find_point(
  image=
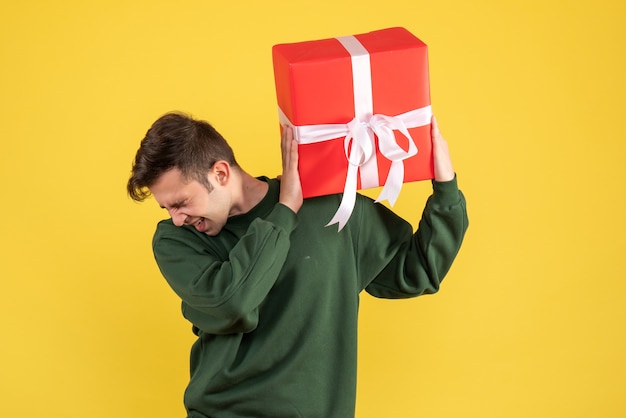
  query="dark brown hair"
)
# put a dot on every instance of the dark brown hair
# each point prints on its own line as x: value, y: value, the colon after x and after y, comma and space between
x: 177, y: 140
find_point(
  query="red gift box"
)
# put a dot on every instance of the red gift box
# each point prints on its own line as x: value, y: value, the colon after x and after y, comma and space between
x: 357, y: 104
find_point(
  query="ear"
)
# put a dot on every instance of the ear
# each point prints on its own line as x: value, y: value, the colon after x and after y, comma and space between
x: 221, y: 172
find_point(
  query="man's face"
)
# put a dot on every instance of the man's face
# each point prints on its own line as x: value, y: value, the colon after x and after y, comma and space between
x: 190, y: 203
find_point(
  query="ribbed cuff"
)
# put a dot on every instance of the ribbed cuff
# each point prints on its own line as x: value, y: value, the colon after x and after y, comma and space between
x: 283, y: 217
x: 446, y: 193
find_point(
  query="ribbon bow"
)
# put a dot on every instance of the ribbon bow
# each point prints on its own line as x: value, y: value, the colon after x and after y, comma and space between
x: 359, y: 147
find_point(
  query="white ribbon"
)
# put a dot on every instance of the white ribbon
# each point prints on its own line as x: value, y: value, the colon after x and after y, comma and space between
x: 359, y: 145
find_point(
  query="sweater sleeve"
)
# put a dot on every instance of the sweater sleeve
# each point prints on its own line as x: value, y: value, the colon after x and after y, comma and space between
x: 410, y: 264
x: 221, y: 288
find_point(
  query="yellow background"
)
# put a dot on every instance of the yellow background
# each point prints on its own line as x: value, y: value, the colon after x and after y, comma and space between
x: 530, y: 95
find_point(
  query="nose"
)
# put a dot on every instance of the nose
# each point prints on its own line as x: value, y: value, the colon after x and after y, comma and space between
x: 179, y: 219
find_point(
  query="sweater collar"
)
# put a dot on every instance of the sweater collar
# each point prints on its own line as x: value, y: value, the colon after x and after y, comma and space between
x: 263, y: 208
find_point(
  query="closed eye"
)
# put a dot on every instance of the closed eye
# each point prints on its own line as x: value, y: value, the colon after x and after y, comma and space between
x: 176, y: 205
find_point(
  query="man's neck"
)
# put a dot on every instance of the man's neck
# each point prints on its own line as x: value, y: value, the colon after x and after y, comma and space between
x: 253, y: 191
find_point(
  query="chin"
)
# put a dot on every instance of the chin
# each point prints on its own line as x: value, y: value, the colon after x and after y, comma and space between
x: 212, y: 232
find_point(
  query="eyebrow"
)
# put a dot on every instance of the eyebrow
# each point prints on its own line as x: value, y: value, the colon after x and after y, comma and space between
x: 176, y: 204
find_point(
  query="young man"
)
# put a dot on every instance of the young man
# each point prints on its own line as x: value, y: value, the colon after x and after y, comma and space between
x: 273, y: 294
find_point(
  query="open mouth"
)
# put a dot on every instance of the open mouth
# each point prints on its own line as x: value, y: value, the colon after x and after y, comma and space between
x: 199, y: 225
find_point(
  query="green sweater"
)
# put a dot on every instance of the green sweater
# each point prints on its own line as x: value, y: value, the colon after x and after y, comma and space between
x: 274, y: 297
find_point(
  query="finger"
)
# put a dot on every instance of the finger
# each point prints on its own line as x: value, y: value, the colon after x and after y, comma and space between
x: 435, y: 132
x: 289, y: 137
x: 283, y: 135
x: 294, y: 153
x: 289, y: 150
x: 284, y: 143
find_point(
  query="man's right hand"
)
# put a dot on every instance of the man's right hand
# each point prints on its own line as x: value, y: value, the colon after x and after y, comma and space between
x: 290, y: 186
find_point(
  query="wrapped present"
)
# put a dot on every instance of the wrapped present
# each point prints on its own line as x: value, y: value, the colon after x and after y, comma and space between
x: 360, y: 111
